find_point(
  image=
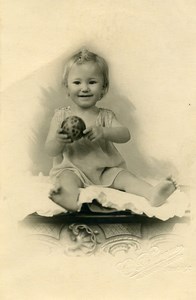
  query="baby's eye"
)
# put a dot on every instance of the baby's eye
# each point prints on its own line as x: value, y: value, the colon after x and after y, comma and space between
x: 92, y: 82
x: 76, y: 82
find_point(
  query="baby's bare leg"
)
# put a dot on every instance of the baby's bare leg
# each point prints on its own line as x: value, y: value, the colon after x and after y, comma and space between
x: 157, y: 195
x: 67, y: 192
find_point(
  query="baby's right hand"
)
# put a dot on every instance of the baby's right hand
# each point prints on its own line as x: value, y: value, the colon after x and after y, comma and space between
x: 62, y: 137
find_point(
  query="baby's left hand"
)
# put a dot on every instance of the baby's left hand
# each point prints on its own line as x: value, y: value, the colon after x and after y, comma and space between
x: 94, y: 133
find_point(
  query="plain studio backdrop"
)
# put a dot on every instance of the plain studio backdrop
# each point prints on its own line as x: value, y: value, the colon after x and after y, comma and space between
x: 150, y: 47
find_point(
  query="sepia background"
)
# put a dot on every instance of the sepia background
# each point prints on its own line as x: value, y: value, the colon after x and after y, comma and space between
x: 150, y: 47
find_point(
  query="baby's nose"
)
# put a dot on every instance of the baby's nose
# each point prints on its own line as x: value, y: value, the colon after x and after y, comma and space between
x: 85, y: 87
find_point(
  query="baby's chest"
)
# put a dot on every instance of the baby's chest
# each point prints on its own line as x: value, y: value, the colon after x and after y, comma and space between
x: 89, y: 121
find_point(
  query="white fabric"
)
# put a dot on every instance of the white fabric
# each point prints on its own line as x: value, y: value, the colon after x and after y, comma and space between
x: 176, y: 204
x: 31, y: 195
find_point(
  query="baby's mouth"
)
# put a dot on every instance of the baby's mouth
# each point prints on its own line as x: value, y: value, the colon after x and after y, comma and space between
x: 85, y: 96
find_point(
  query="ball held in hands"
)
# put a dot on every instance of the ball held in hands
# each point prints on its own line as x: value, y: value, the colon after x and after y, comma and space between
x: 73, y: 126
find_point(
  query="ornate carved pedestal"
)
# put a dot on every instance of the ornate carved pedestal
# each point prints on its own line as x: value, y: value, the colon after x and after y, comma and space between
x: 95, y: 234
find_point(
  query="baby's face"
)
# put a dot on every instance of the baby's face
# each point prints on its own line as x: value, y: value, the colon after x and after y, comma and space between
x: 85, y: 84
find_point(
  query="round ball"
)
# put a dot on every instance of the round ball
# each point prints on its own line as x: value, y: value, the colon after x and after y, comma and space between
x: 73, y: 126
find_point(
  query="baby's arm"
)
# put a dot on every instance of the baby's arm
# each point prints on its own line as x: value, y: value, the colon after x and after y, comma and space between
x: 56, y: 140
x: 116, y: 133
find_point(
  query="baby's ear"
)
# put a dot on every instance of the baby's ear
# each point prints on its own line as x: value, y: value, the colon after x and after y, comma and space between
x: 103, y: 90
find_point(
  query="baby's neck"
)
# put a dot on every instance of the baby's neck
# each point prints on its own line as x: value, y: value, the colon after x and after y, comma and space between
x: 89, y: 115
x: 85, y: 111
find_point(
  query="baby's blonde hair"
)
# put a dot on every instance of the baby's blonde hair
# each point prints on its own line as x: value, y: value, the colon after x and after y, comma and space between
x: 82, y: 57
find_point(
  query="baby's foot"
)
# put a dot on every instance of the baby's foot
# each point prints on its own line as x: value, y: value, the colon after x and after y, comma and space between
x: 56, y: 195
x: 54, y: 191
x: 162, y: 191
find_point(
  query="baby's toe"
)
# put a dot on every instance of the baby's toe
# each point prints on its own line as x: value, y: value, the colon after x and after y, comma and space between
x: 170, y: 178
x: 174, y: 182
x: 55, y: 191
x: 50, y: 197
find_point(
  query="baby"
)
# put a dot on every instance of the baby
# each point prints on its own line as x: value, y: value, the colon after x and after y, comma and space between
x: 93, y: 159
